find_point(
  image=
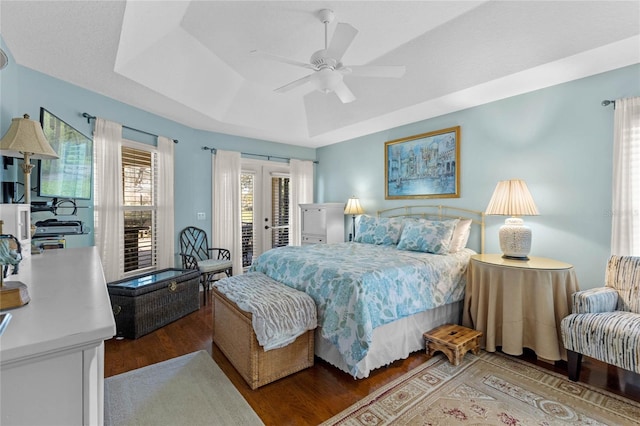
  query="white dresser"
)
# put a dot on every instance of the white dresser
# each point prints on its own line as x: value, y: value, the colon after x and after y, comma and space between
x: 322, y: 223
x: 52, y: 351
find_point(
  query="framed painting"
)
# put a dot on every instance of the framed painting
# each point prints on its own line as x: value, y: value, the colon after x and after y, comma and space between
x: 423, y: 166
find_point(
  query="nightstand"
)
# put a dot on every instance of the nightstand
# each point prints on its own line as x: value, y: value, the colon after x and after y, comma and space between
x: 519, y: 304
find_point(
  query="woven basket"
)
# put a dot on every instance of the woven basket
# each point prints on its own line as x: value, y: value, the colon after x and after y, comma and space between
x: 233, y: 333
x: 141, y: 310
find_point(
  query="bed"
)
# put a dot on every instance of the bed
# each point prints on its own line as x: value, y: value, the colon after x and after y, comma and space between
x: 403, y: 274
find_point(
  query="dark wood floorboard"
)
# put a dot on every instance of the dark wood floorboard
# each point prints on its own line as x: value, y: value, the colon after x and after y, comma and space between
x: 317, y: 393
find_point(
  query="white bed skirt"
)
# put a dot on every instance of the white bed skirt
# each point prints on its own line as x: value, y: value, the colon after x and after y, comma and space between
x: 392, y: 341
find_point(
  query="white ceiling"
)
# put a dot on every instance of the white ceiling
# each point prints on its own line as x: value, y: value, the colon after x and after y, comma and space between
x: 189, y: 61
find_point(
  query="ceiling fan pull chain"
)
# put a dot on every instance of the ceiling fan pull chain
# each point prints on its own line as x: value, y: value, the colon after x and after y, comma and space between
x: 326, y: 36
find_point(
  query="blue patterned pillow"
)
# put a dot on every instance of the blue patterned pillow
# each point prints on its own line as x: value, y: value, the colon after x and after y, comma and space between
x: 429, y: 236
x: 381, y: 231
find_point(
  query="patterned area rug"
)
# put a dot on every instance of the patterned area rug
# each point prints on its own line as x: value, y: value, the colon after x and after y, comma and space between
x: 488, y: 389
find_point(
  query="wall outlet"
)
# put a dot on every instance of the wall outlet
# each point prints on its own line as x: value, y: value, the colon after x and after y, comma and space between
x: 202, y: 216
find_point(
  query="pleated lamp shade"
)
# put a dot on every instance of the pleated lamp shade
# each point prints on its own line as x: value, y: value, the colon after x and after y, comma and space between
x: 353, y: 208
x: 25, y: 139
x: 512, y: 198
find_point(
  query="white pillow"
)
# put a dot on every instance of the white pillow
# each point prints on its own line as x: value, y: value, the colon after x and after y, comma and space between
x: 460, y: 235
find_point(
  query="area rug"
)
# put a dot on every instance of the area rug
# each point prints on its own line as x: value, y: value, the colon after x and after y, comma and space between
x: 188, y: 390
x: 488, y: 389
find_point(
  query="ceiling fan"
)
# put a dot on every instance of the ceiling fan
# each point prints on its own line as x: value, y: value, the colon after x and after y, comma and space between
x: 327, y: 66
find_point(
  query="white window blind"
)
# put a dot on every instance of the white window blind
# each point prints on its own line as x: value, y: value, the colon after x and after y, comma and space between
x: 247, y: 184
x: 280, y: 210
x: 139, y: 182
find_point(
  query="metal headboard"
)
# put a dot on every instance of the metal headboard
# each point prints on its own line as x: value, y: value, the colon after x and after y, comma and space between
x: 439, y: 212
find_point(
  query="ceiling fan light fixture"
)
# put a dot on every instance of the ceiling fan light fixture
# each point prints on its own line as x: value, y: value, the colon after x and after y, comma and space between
x: 326, y: 80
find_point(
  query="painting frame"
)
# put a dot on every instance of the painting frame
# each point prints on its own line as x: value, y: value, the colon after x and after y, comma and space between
x: 423, y: 166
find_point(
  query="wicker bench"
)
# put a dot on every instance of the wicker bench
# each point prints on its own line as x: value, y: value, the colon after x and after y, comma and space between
x: 233, y: 333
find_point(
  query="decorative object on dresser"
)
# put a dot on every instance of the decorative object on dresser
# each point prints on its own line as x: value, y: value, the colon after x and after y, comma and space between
x: 512, y: 198
x: 322, y: 223
x: 145, y: 303
x: 12, y: 293
x: 353, y: 208
x: 25, y: 139
x: 17, y: 222
x: 605, y: 322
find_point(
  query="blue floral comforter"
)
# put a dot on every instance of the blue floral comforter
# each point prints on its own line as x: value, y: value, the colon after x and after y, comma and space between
x: 358, y: 287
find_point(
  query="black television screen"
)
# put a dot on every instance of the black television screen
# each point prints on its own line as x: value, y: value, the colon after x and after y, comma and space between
x: 70, y: 175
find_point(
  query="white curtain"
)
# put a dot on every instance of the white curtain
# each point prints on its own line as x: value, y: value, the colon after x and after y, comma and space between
x: 107, y: 184
x: 301, y: 192
x: 625, y: 234
x: 165, y: 241
x: 227, y: 213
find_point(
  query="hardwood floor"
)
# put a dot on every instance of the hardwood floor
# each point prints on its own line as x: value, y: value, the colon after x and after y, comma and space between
x: 317, y: 393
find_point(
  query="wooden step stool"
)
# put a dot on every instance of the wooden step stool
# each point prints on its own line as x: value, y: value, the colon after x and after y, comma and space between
x: 452, y: 340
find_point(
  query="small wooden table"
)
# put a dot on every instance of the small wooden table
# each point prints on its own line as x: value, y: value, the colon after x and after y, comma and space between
x: 452, y: 340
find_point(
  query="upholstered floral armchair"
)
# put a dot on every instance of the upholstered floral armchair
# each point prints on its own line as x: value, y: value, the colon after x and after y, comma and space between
x: 605, y: 323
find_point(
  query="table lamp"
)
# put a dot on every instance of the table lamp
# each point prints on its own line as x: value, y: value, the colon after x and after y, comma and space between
x: 512, y: 198
x: 353, y: 208
x: 25, y: 139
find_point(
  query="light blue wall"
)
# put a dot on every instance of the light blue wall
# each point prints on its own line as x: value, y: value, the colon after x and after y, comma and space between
x: 559, y: 140
x: 25, y: 91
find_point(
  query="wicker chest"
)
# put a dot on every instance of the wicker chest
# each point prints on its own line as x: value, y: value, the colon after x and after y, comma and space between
x: 147, y: 302
x: 233, y: 333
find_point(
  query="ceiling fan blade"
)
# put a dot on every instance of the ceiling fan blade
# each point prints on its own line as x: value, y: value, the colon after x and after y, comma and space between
x: 342, y: 91
x: 294, y: 84
x: 342, y: 38
x: 282, y: 59
x: 376, y: 71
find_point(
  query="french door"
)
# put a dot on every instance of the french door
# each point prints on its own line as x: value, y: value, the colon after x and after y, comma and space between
x: 265, y: 207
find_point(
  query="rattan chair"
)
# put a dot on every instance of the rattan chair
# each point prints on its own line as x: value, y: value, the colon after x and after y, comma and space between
x: 210, y: 261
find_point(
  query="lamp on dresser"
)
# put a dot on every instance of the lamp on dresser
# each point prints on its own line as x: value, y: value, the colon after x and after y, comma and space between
x: 353, y: 208
x: 512, y: 198
x: 25, y: 139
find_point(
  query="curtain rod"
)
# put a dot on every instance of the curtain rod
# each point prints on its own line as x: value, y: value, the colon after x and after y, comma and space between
x: 607, y: 102
x: 268, y: 157
x: 92, y: 117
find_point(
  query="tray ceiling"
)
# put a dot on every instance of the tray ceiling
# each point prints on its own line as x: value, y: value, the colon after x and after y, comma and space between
x: 189, y: 61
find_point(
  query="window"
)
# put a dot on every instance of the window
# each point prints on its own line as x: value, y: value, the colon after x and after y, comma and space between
x: 247, y: 183
x: 280, y: 211
x: 139, y: 181
x: 625, y: 235
x: 265, y: 207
